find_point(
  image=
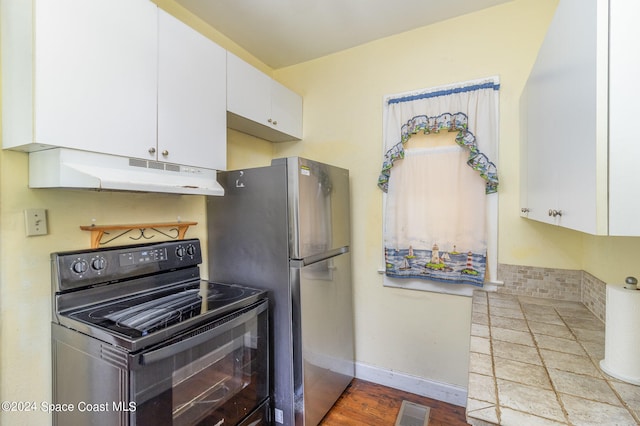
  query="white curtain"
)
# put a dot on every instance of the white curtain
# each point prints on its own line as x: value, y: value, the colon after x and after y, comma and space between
x: 435, y: 217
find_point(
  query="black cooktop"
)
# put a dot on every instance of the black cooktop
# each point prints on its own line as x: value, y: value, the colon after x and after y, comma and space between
x: 139, y: 316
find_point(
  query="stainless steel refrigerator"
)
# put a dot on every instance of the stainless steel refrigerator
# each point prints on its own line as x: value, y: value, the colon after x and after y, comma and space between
x: 285, y: 228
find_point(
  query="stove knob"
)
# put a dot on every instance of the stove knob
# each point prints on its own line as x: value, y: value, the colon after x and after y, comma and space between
x: 79, y: 266
x: 180, y: 251
x: 191, y: 249
x: 98, y: 263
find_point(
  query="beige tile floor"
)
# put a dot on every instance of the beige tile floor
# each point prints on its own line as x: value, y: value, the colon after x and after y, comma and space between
x: 536, y: 362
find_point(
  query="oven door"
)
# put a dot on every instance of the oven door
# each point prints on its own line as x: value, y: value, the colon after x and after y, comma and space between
x: 214, y: 375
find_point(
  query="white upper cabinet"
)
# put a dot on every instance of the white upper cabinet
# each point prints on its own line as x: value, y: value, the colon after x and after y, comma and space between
x: 79, y: 74
x: 192, y: 126
x: 624, y: 110
x: 577, y: 116
x: 259, y: 105
x: 286, y: 110
x: 112, y: 76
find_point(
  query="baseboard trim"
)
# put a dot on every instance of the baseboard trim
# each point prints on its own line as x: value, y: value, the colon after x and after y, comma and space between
x: 420, y: 386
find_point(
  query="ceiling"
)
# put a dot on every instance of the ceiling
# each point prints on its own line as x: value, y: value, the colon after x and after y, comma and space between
x: 286, y: 32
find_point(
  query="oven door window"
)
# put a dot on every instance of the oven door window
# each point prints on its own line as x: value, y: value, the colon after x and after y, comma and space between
x: 216, y: 375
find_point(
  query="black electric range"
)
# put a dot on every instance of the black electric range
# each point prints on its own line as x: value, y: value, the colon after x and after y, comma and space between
x: 136, y: 296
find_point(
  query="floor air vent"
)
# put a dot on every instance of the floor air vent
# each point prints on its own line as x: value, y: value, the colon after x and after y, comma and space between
x: 412, y: 415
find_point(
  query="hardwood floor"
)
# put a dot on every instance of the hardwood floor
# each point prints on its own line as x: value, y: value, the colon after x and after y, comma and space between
x: 370, y: 404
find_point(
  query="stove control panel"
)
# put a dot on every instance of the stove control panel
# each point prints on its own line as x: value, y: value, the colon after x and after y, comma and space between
x: 72, y: 270
x: 137, y: 257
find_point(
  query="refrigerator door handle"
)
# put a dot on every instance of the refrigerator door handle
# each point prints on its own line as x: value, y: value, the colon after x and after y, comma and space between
x: 298, y: 263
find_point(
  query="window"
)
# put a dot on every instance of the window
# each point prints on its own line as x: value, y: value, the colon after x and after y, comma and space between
x: 440, y: 181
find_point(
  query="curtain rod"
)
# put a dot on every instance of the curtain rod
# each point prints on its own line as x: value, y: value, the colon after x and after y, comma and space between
x: 464, y: 86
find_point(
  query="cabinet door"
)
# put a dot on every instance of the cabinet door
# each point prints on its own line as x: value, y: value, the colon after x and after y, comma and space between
x: 95, y: 74
x: 248, y: 91
x: 563, y: 121
x: 540, y: 171
x: 624, y: 149
x: 192, y: 126
x: 542, y: 155
x: 574, y: 106
x: 286, y: 110
x: 259, y: 105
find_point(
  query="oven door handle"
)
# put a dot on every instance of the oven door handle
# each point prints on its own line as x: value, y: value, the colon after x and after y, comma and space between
x: 191, y: 342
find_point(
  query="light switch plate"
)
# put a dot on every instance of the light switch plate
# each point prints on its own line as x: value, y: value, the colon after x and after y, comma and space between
x: 279, y: 416
x: 36, y: 222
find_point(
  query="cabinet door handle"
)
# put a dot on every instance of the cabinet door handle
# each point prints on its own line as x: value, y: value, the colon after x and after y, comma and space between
x: 275, y: 123
x: 165, y: 153
x: 152, y: 150
x: 555, y: 213
x: 525, y: 210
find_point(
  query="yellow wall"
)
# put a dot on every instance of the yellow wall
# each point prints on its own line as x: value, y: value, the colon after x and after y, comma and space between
x: 611, y: 259
x: 422, y: 334
x: 418, y: 333
x: 25, y: 275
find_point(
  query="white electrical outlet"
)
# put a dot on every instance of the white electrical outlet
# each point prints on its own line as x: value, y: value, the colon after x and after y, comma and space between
x: 36, y: 222
x: 279, y: 415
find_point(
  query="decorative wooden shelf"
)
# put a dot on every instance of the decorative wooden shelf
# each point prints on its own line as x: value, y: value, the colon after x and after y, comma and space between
x: 98, y: 231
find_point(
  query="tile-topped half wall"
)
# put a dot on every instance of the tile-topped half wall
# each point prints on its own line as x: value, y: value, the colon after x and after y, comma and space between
x: 558, y: 284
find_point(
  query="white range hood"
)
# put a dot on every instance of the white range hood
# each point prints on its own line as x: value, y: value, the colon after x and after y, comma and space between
x: 69, y: 168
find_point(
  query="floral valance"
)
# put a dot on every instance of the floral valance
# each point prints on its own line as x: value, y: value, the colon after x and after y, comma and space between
x: 450, y: 122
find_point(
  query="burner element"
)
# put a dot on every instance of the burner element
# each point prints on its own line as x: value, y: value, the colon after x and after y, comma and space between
x: 142, y: 315
x: 102, y: 313
x: 151, y: 314
x: 214, y: 292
